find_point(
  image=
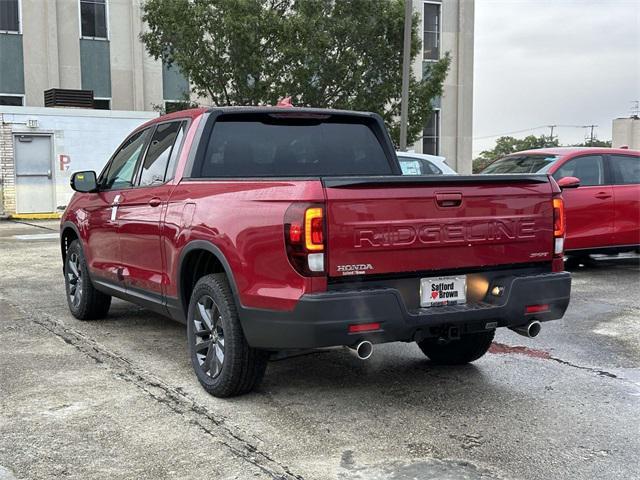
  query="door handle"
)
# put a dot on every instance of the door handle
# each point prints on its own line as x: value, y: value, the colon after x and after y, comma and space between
x: 603, y: 195
x: 449, y: 199
x: 154, y: 202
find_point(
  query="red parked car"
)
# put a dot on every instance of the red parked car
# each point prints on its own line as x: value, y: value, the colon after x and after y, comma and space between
x: 601, y: 191
x: 268, y: 229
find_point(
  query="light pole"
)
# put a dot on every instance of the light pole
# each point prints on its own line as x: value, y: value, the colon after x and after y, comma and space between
x: 406, y: 65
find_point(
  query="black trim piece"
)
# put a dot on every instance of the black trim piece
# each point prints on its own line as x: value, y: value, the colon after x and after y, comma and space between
x: 174, y: 307
x: 337, y: 182
x: 211, y: 248
x: 64, y: 226
x: 149, y: 300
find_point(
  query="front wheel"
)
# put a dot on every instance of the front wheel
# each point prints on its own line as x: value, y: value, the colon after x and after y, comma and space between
x: 467, y: 349
x: 223, y: 361
x: 85, y: 302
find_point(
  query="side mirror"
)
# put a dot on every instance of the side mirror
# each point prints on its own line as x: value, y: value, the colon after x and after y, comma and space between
x: 569, y: 182
x: 84, y: 182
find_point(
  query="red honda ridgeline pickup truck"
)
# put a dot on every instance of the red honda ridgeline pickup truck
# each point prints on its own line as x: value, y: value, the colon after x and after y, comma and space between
x: 272, y: 229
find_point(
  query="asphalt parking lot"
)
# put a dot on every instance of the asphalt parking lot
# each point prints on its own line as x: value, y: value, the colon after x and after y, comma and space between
x: 117, y: 399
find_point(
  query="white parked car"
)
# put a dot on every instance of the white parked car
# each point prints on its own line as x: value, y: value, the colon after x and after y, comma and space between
x: 423, y: 164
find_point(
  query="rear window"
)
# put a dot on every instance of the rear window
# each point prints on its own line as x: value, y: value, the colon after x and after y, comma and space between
x: 292, y: 147
x: 522, y: 164
x: 626, y: 169
x: 418, y: 166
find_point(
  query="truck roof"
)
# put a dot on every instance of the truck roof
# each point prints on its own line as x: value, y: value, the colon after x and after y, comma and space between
x: 196, y: 112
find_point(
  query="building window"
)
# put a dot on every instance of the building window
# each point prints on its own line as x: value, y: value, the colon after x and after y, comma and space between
x: 102, y: 103
x: 10, y: 16
x: 93, y: 18
x: 431, y: 135
x: 11, y: 100
x: 431, y: 35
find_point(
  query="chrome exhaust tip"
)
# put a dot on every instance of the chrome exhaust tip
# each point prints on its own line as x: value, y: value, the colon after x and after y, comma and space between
x: 531, y: 330
x: 362, y: 350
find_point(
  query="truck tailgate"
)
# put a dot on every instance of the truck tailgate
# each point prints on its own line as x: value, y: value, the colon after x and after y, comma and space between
x: 386, y: 225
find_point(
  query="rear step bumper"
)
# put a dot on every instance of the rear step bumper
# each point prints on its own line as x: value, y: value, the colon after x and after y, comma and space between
x: 323, y: 319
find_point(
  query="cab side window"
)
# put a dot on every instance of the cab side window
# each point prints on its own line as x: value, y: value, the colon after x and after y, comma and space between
x: 123, y: 164
x: 625, y: 169
x: 589, y: 169
x: 161, y: 149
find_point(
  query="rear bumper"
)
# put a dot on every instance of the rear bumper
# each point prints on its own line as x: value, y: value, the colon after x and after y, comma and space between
x: 322, y: 320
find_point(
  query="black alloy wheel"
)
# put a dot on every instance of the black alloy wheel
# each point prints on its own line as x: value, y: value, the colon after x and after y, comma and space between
x: 209, y: 336
x: 222, y: 359
x: 74, y: 279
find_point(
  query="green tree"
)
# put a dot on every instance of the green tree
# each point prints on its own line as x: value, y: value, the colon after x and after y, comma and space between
x: 322, y: 53
x: 506, y: 145
x: 594, y: 143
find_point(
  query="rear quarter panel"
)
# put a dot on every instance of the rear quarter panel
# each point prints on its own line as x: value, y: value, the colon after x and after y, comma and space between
x: 244, y: 220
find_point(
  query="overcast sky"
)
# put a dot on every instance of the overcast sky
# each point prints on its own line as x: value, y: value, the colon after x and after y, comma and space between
x: 564, y: 62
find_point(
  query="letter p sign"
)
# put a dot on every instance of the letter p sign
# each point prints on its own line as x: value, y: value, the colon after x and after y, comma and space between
x: 65, y: 161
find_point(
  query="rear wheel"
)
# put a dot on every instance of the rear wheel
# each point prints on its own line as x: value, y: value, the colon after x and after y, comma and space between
x: 85, y: 302
x: 223, y: 361
x: 457, y: 352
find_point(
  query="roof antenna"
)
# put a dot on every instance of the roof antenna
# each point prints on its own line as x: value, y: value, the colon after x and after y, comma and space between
x: 284, y: 102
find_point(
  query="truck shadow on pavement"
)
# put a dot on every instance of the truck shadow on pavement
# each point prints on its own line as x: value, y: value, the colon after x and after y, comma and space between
x: 599, y: 262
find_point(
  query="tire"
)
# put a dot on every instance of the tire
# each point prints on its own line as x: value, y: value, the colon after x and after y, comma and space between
x: 574, y: 261
x: 85, y: 302
x: 224, y: 363
x: 457, y: 352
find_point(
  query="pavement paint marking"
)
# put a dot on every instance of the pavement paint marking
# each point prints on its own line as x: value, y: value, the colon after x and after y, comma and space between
x: 174, y: 398
x: 37, y: 236
x: 501, y: 348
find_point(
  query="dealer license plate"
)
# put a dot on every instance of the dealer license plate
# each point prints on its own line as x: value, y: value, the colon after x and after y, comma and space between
x: 443, y: 291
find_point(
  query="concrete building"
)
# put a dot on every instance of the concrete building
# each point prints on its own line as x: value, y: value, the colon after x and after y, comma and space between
x: 626, y: 131
x: 81, y: 44
x: 448, y: 26
x: 41, y: 147
x: 94, y: 45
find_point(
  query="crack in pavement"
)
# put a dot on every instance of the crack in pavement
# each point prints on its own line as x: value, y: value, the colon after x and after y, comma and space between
x: 503, y: 349
x: 174, y: 398
x: 34, y: 225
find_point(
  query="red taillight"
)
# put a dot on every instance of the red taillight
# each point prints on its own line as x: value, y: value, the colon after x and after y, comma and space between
x: 304, y: 238
x: 544, y: 307
x: 559, y: 224
x: 559, y: 230
x: 364, y: 327
x: 295, y: 233
x: 313, y: 226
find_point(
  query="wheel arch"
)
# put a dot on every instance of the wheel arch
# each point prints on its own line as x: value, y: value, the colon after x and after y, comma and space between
x: 68, y: 233
x: 199, y: 258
